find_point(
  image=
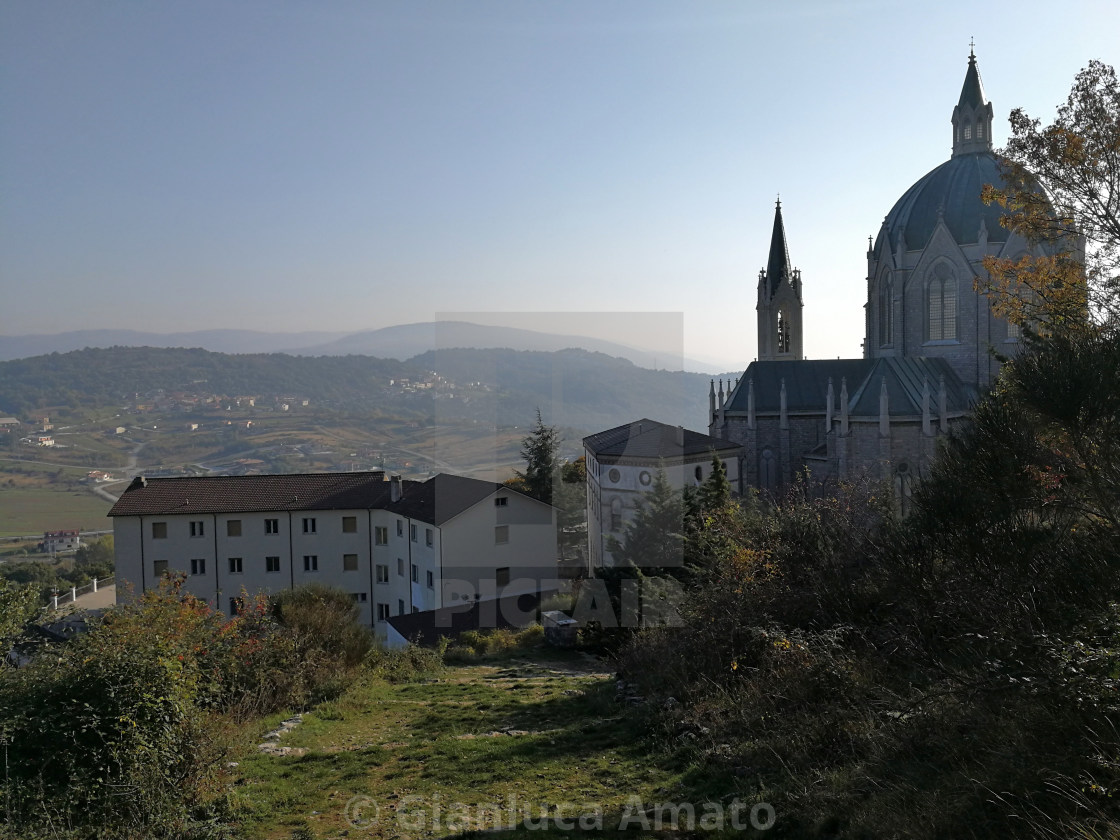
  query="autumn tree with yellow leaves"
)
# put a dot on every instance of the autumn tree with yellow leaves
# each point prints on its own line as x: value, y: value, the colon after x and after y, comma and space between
x: 1061, y: 192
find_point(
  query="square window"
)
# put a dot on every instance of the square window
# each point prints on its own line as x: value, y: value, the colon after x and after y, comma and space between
x: 234, y: 606
x: 198, y: 528
x: 415, y: 573
x: 272, y: 526
x: 309, y: 525
x: 501, y: 501
x: 501, y: 576
x: 431, y: 580
x: 427, y: 536
x: 359, y: 596
x: 311, y: 562
x: 233, y: 527
x: 349, y: 562
x: 198, y: 566
x: 349, y: 524
x: 159, y: 530
x: 501, y: 535
x: 272, y: 564
x: 381, y: 535
x: 159, y: 568
x: 382, y: 573
x: 382, y: 612
x: 235, y: 565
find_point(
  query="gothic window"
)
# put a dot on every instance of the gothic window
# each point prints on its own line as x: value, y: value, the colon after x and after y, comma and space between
x: 968, y: 131
x: 903, y: 488
x: 979, y: 131
x: 941, y: 303
x: 783, y: 331
x: 1014, y: 330
x: 767, y: 470
x: 886, y: 311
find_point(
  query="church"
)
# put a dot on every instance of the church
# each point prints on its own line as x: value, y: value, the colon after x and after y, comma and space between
x: 928, y: 342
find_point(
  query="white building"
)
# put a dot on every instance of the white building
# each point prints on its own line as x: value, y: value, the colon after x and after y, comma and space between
x: 622, y: 463
x: 396, y: 546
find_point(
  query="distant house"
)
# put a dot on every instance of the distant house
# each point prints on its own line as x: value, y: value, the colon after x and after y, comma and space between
x: 55, y: 541
x: 396, y: 546
x: 621, y: 465
x: 7, y: 424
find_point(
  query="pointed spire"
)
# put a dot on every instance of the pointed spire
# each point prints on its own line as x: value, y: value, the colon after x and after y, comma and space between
x: 972, y: 118
x: 884, y: 411
x: 750, y: 403
x: 778, y: 265
x: 844, y: 406
x: 783, y: 411
x: 927, y: 428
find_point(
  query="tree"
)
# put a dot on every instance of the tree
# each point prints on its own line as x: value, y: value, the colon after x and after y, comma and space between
x: 1062, y: 193
x: 542, y: 465
x: 653, y: 539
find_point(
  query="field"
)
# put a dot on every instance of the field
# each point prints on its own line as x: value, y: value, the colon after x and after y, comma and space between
x: 479, y: 747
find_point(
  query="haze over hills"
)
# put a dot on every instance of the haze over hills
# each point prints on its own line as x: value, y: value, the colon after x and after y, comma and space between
x: 397, y: 342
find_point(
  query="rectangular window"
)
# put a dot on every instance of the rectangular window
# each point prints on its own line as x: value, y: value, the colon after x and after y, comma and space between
x: 159, y: 568
x: 349, y: 562
x: 309, y: 525
x: 400, y: 527
x: 233, y: 527
x: 400, y: 566
x: 400, y: 607
x: 349, y: 524
x: 412, y: 532
x: 381, y: 535
x: 431, y: 580
x: 501, y: 576
x: 382, y: 612
x: 198, y: 566
x: 235, y: 565
x: 197, y: 528
x: 616, y: 521
x: 234, y: 606
x: 272, y: 564
x: 501, y: 535
x: 159, y: 530
x: 359, y: 596
x: 427, y: 536
x: 272, y: 526
x: 415, y: 573
x: 501, y: 501
x: 382, y: 573
x: 311, y: 562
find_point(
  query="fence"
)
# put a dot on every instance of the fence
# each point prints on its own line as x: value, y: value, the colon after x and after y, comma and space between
x: 75, y: 592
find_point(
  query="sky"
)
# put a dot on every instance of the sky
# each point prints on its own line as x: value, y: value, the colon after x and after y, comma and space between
x: 291, y: 165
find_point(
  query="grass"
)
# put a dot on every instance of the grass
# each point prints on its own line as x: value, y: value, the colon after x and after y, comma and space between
x: 32, y: 510
x: 487, y: 743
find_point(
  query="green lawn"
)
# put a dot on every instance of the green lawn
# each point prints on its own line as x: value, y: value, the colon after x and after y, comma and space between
x: 482, y: 746
x: 32, y: 510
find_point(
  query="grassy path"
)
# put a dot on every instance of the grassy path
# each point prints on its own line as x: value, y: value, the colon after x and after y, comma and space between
x: 505, y: 740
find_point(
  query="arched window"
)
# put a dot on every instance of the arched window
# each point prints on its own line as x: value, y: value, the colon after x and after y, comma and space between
x: 1014, y: 330
x: 941, y: 303
x: 980, y: 130
x: 699, y: 473
x: 783, y: 332
x: 767, y: 470
x: 616, y: 515
x: 886, y: 310
x: 968, y: 131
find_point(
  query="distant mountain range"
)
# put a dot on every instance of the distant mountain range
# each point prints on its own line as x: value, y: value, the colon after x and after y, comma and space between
x: 398, y: 342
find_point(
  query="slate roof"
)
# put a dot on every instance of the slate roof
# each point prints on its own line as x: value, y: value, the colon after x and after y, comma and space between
x: 436, y: 500
x: 647, y: 438
x: 972, y: 91
x: 807, y: 386
x: 778, y: 265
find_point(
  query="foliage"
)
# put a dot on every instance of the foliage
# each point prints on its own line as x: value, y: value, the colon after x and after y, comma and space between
x: 474, y: 645
x: 542, y: 465
x: 1062, y: 183
x: 121, y: 731
x: 19, y: 605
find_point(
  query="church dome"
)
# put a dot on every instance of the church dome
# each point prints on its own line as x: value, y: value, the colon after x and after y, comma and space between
x: 952, y: 192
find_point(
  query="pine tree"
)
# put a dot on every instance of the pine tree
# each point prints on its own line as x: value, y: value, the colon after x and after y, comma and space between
x: 542, y: 465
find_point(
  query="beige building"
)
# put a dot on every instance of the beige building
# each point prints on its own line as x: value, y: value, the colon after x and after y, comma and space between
x: 397, y: 547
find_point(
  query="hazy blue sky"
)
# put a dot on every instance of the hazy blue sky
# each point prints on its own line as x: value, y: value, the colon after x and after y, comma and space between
x: 291, y: 165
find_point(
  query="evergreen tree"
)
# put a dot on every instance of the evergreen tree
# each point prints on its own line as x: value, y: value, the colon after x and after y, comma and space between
x: 542, y: 465
x: 654, y: 538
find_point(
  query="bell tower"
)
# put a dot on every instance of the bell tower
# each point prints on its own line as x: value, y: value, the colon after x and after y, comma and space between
x: 780, y: 336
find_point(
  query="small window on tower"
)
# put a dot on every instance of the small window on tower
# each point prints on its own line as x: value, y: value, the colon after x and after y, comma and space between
x: 968, y: 131
x: 783, y: 332
x: 980, y: 130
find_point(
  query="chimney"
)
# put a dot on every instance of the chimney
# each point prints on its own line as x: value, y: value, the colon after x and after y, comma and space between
x: 680, y: 436
x: 395, y: 488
